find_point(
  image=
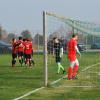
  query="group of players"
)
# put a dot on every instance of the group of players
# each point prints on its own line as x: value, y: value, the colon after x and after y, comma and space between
x: 72, y: 49
x: 23, y: 49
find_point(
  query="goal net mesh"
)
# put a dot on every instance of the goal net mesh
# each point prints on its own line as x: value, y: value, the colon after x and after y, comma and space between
x: 88, y: 44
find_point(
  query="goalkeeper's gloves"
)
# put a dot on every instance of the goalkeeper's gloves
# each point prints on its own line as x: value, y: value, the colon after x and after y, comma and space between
x: 79, y: 54
x: 78, y: 50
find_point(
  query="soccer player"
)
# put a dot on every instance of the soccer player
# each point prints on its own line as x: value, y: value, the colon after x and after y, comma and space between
x: 72, y: 49
x: 24, y: 55
x: 20, y: 50
x: 58, y: 51
x: 28, y: 52
x: 31, y: 47
x: 14, y: 52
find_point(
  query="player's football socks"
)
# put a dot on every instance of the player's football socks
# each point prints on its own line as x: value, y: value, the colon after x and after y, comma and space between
x: 64, y: 71
x: 20, y: 61
x: 30, y: 64
x: 32, y: 61
x: 25, y: 61
x: 74, y: 71
x: 60, y: 67
x: 70, y: 73
x: 13, y: 63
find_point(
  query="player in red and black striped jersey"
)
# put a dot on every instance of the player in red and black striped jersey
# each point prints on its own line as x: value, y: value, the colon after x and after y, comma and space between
x: 24, y: 55
x: 28, y: 52
x: 20, y: 50
x: 31, y: 47
x: 14, y: 51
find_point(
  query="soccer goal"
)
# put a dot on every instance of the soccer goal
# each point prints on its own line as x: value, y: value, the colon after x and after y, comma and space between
x: 62, y: 28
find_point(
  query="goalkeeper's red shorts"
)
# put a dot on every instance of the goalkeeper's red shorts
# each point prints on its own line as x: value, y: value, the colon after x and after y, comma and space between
x: 71, y: 58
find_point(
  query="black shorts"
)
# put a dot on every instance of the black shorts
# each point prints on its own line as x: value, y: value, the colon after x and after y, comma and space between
x: 28, y: 56
x: 24, y: 55
x: 20, y: 54
x: 14, y: 55
x: 58, y: 59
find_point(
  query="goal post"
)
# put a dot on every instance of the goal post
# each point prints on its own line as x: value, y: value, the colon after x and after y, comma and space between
x: 63, y: 27
x: 45, y: 49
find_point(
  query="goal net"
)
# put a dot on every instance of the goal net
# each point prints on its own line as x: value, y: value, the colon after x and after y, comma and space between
x: 56, y: 26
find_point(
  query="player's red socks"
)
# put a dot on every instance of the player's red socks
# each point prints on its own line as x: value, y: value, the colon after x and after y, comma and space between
x: 74, y: 71
x: 70, y: 73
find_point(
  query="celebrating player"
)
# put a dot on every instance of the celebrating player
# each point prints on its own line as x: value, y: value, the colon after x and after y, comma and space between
x: 28, y: 52
x: 58, y: 51
x: 72, y: 49
x: 20, y: 50
x: 14, y: 51
x: 31, y: 47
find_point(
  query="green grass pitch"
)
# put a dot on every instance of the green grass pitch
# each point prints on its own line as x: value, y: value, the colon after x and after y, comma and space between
x: 17, y: 81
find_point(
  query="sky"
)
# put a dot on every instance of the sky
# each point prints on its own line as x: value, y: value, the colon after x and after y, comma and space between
x: 17, y: 15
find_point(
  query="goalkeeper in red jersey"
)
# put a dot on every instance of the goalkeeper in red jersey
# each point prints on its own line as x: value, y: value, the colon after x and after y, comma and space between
x: 14, y: 52
x: 72, y: 49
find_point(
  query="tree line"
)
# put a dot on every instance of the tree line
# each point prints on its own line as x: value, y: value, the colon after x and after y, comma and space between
x: 37, y: 38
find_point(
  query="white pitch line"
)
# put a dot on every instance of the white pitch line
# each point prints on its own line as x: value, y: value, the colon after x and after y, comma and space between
x: 33, y: 91
x: 77, y: 86
x: 56, y: 81
x: 93, y: 72
x: 81, y: 71
x: 90, y: 67
x: 29, y: 93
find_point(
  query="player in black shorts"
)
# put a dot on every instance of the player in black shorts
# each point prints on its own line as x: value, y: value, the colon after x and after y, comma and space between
x: 28, y: 52
x: 14, y: 51
x: 58, y: 52
x: 20, y: 50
